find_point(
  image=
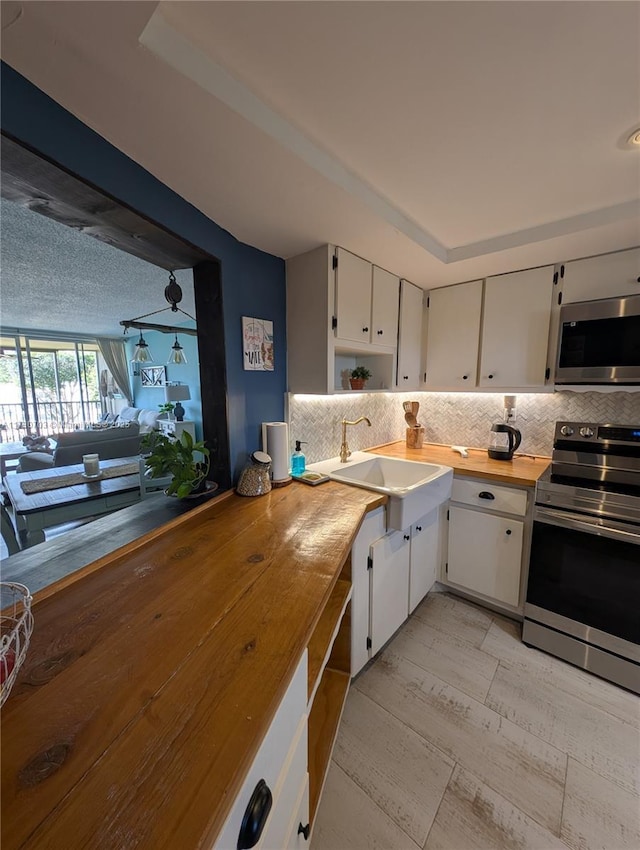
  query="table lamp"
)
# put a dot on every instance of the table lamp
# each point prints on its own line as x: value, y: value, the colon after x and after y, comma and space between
x: 177, y: 393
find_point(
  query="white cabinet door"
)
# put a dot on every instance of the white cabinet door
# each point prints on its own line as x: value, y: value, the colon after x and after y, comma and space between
x: 384, y: 308
x: 372, y: 528
x: 389, y: 586
x: 425, y: 540
x: 602, y: 277
x: 485, y: 553
x: 410, y: 337
x: 515, y: 329
x: 453, y: 336
x: 353, y: 297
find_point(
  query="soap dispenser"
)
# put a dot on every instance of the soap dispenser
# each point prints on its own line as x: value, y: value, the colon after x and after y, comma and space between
x: 298, y: 460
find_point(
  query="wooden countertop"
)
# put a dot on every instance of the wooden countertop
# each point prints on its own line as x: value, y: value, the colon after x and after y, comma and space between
x: 154, y: 672
x: 523, y: 469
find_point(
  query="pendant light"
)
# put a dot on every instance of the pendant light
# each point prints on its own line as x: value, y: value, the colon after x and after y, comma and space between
x: 142, y: 353
x: 177, y: 356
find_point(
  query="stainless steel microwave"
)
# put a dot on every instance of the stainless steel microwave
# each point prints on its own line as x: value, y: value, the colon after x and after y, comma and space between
x: 599, y: 342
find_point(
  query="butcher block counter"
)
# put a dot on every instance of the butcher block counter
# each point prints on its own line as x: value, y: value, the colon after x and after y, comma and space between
x: 154, y: 672
x: 523, y: 469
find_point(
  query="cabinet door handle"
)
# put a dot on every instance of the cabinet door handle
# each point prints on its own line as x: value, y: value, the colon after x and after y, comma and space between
x: 365, y: 330
x: 407, y: 537
x: 418, y: 528
x: 304, y: 831
x: 465, y: 377
x: 255, y: 816
x: 485, y: 494
x: 490, y: 377
x: 405, y: 377
x: 508, y: 531
x: 380, y: 333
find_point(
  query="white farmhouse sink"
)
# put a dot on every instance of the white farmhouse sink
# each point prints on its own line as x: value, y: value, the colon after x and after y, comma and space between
x: 413, y: 488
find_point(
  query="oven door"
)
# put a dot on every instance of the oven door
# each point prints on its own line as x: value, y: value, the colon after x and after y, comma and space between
x: 584, y: 579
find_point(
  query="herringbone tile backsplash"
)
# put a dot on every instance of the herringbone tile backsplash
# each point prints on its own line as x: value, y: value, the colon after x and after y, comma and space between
x: 449, y: 418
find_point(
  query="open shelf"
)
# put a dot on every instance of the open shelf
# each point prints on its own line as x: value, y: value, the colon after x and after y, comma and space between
x: 325, y: 634
x: 324, y: 720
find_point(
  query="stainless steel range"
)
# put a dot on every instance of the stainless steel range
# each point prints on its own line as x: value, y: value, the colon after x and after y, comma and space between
x: 583, y: 593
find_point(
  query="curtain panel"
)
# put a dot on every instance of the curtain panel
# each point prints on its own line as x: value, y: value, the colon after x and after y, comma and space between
x: 114, y: 354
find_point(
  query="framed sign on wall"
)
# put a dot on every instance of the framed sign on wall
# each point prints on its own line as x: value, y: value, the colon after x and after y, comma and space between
x: 257, y: 342
x: 153, y: 376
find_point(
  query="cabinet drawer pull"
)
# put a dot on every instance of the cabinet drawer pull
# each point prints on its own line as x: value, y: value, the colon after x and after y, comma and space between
x: 407, y: 537
x: 490, y: 377
x: 405, y: 377
x: 418, y: 528
x: 508, y: 531
x: 304, y: 831
x: 465, y: 377
x: 485, y: 494
x: 380, y: 333
x: 365, y: 330
x: 255, y: 816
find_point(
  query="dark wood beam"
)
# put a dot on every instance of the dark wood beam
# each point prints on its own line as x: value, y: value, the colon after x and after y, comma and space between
x: 44, y: 187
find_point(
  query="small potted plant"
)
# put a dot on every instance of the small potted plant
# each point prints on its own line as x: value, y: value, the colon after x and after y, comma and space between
x: 177, y: 457
x: 167, y: 408
x: 358, y: 377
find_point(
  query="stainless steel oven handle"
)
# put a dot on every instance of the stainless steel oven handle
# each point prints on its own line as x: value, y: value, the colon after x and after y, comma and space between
x: 578, y: 523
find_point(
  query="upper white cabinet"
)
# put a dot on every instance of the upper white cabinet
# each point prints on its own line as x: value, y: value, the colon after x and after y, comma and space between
x: 385, y: 289
x: 366, y: 301
x: 342, y: 312
x: 410, y: 337
x: 353, y: 297
x: 515, y: 329
x: 453, y: 335
x: 490, y: 334
x: 602, y: 277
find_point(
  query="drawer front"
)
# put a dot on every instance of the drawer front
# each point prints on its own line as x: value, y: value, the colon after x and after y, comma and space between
x: 286, y: 793
x: 491, y: 497
x: 272, y: 755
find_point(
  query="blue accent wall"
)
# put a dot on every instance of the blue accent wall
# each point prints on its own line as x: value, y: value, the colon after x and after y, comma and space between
x: 253, y: 282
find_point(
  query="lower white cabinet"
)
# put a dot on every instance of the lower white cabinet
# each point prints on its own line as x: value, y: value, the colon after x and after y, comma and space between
x: 485, y: 553
x: 391, y: 573
x: 424, y: 557
x: 281, y: 764
x: 372, y: 528
x: 389, y: 586
x: 488, y: 527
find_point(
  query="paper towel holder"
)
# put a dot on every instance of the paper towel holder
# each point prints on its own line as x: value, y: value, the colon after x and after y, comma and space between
x: 282, y: 481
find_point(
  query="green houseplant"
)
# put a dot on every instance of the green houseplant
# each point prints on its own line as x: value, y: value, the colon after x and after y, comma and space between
x: 358, y: 377
x: 177, y: 457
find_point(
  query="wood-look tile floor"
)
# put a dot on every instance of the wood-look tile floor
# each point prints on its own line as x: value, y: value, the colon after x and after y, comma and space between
x: 458, y: 737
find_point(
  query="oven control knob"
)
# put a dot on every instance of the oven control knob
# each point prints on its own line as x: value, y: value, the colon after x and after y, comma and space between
x: 566, y: 431
x: 586, y: 432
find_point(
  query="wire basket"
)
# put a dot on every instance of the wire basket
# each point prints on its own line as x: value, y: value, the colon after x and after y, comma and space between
x: 16, y: 625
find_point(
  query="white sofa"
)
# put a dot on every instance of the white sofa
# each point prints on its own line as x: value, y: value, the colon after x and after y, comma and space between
x: 147, y: 419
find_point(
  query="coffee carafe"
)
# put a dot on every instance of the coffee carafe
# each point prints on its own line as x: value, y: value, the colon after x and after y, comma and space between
x: 504, y: 441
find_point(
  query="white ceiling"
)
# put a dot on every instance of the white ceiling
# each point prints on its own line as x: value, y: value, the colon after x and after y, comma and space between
x: 442, y: 140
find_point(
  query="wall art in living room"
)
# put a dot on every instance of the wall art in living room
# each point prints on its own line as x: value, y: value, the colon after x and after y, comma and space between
x: 153, y: 376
